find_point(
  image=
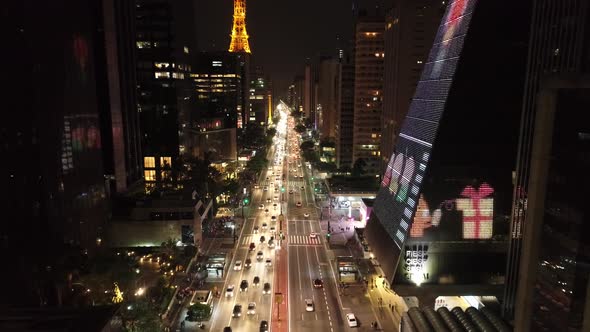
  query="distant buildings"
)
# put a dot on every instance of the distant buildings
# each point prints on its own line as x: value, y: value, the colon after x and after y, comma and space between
x: 260, y: 98
x: 368, y: 91
x: 343, y: 126
x: 165, y: 40
x: 328, y: 96
x: 410, y: 27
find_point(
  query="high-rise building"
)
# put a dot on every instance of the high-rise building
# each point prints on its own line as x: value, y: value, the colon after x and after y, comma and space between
x: 343, y: 127
x: 410, y: 27
x: 558, y: 48
x: 308, y: 92
x: 328, y: 96
x: 260, y: 97
x: 444, y: 201
x: 165, y: 40
x: 368, y: 90
x: 117, y: 94
x: 218, y: 86
x: 53, y: 188
x: 298, y: 92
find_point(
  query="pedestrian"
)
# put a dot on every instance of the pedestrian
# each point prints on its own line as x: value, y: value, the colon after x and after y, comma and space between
x: 383, y: 283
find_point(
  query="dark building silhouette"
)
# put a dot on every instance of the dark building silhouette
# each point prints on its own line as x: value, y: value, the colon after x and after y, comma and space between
x: 343, y: 128
x: 164, y: 41
x: 117, y: 94
x: 53, y: 186
x: 445, y: 196
x: 547, y: 277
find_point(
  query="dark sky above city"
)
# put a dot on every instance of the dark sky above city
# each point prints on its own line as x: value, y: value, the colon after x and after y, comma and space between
x: 283, y: 33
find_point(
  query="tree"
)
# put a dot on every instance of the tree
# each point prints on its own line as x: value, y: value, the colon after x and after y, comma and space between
x: 198, y: 312
x: 300, y: 128
x: 307, y: 145
x: 358, y: 169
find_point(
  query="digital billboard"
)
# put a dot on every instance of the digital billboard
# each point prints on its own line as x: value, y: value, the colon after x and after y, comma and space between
x: 399, y: 195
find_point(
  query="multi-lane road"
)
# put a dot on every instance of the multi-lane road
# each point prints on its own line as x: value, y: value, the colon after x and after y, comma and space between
x: 285, y: 187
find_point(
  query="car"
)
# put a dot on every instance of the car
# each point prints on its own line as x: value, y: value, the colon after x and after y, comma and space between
x: 318, y: 283
x: 266, y: 288
x: 264, y: 225
x: 266, y: 211
x: 290, y: 191
x: 248, y: 263
x: 227, y: 329
x: 273, y: 218
x: 268, y: 200
x: 313, y: 235
x: 276, y: 198
x: 237, y: 312
x: 265, y: 188
x: 229, y: 292
x: 252, y: 246
x: 302, y: 188
x: 309, y: 305
x: 259, y: 256
x: 256, y: 281
x: 298, y: 204
x: 263, y: 326
x: 275, y: 205
x: 238, y: 265
x: 272, y: 229
x: 244, y: 286
x: 255, y: 229
x: 351, y: 319
x: 306, y: 215
x: 251, y: 308
x: 262, y: 239
x: 271, y: 243
x: 261, y: 207
x: 256, y: 186
x: 268, y: 262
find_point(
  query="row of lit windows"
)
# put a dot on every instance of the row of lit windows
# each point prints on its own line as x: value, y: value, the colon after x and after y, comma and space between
x: 166, y: 74
x: 150, y: 175
x: 150, y: 162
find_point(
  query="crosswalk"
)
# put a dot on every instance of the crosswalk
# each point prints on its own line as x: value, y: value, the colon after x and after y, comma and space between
x: 291, y: 239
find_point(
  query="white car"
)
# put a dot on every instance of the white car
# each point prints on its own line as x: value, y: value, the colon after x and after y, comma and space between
x: 306, y: 215
x: 268, y: 262
x: 261, y: 207
x: 229, y: 292
x: 251, y: 308
x: 351, y: 319
x: 238, y: 266
x: 298, y: 204
x: 313, y: 235
x: 309, y: 305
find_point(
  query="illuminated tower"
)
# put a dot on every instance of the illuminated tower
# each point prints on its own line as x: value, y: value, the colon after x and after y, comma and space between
x: 239, y: 36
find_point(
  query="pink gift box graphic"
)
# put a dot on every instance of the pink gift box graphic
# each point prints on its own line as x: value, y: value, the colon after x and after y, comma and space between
x: 478, y: 212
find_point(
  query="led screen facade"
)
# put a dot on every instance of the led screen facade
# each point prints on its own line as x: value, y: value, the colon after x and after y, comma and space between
x: 398, y: 197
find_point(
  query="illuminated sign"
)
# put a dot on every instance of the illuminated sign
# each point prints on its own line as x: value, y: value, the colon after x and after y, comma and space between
x: 398, y: 197
x: 415, y: 264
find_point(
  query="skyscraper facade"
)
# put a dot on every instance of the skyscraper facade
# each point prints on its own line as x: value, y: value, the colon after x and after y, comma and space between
x: 117, y: 95
x: 558, y: 47
x: 410, y: 27
x: 53, y: 189
x: 260, y: 97
x: 343, y: 127
x: 440, y: 201
x: 165, y: 40
x: 368, y: 90
x: 328, y: 96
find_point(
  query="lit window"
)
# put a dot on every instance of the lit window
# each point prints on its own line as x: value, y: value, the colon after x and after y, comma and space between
x: 149, y: 175
x: 216, y: 63
x: 185, y: 50
x: 143, y: 44
x: 162, y: 74
x: 165, y: 161
x: 149, y: 162
x: 419, y: 62
x: 161, y: 65
x: 373, y: 135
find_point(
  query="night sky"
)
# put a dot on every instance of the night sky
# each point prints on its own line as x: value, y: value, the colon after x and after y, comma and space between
x: 283, y: 33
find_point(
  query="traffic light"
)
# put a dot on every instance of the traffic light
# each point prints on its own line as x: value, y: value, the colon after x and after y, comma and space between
x: 315, y: 189
x: 328, y: 236
x: 282, y: 189
x: 246, y: 201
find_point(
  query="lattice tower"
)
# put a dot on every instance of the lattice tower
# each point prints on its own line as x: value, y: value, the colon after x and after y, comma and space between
x: 239, y: 36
